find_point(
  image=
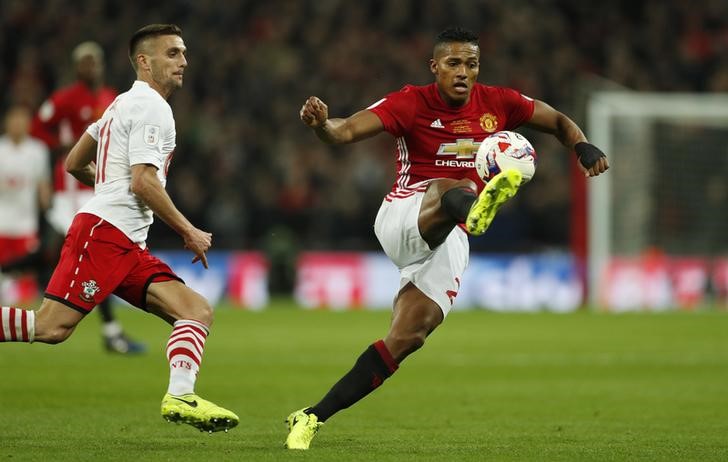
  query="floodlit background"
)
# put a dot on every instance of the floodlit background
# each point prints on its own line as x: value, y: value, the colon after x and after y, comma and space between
x: 247, y: 170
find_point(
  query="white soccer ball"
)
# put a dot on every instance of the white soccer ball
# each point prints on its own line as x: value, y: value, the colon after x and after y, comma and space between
x: 504, y: 150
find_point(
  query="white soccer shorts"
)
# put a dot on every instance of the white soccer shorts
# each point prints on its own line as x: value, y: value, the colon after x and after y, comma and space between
x: 437, y: 273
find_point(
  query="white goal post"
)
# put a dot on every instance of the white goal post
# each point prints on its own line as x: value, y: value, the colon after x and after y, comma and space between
x: 625, y: 206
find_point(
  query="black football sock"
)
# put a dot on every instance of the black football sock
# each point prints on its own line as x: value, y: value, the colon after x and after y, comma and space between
x: 105, y: 311
x: 457, y: 202
x: 372, y: 368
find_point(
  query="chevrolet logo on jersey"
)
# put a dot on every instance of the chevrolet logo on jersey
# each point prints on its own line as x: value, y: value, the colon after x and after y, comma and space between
x: 465, y: 148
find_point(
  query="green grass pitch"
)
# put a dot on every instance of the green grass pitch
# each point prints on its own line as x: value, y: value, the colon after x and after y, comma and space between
x: 506, y: 387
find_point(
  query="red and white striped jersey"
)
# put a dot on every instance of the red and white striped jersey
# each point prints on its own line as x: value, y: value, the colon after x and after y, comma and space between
x: 137, y: 128
x: 434, y: 140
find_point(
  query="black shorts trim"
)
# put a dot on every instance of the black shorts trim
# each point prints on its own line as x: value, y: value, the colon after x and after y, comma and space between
x: 150, y: 280
x: 67, y: 303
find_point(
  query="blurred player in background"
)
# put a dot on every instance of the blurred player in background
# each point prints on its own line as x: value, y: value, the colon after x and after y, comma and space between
x: 437, y: 196
x: 125, y: 155
x: 25, y: 190
x: 60, y: 122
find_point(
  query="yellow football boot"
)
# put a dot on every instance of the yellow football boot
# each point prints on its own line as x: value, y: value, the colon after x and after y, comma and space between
x: 302, y: 428
x: 499, y: 189
x: 200, y: 413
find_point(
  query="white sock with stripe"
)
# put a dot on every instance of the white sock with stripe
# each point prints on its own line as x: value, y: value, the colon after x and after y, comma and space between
x: 16, y: 325
x: 184, y: 352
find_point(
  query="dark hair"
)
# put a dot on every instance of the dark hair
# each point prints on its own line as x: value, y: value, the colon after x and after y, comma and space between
x: 456, y: 34
x: 151, y: 30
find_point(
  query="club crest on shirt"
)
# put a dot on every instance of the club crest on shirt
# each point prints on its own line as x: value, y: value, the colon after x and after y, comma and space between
x: 151, y: 134
x: 489, y: 122
x: 89, y: 290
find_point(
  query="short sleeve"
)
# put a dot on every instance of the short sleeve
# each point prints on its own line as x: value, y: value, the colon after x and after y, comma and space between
x: 517, y: 107
x: 146, y: 135
x: 396, y: 111
x: 93, y: 130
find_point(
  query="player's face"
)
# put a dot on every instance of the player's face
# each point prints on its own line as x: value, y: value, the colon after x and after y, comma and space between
x: 17, y: 123
x: 456, y: 66
x: 90, y: 69
x: 168, y: 61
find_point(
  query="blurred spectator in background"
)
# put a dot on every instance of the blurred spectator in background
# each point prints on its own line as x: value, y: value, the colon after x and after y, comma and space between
x: 256, y: 60
x: 60, y: 122
x: 25, y: 191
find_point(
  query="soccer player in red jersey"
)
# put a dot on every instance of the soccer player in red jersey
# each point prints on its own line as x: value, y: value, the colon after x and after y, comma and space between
x: 436, y: 197
x: 60, y: 122
x: 125, y: 155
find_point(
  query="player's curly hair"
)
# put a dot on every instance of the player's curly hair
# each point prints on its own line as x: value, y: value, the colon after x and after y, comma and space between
x: 151, y: 30
x: 456, y: 34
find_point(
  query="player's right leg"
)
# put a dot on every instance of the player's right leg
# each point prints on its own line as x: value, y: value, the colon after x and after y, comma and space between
x: 415, y: 317
x: 53, y: 323
x: 191, y: 317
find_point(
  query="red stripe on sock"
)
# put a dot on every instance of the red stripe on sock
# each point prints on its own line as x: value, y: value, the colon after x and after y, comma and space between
x: 183, y: 352
x: 186, y: 333
x: 193, y: 327
x: 189, y: 339
x: 386, y: 356
x: 24, y: 324
x: 11, y: 325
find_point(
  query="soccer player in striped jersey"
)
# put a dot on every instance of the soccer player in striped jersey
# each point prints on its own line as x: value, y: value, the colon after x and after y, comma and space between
x: 436, y: 200
x: 125, y: 156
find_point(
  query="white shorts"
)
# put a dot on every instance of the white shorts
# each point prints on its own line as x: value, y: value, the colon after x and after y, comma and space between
x: 437, y: 273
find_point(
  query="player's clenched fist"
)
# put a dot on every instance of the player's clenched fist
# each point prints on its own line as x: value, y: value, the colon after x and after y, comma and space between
x: 314, y: 112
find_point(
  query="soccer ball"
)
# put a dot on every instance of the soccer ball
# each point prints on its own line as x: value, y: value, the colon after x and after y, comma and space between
x: 504, y: 150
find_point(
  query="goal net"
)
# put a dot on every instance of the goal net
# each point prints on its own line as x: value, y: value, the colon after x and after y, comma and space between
x: 658, y: 220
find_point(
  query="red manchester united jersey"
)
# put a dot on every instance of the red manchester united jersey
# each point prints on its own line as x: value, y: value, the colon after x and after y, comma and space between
x: 434, y: 140
x: 63, y: 118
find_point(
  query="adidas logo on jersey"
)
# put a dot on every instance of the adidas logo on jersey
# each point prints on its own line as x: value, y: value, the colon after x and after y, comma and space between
x: 437, y: 124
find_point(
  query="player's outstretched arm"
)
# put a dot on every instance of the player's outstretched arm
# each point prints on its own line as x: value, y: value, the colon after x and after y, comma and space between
x: 361, y: 125
x: 592, y: 160
x: 146, y: 186
x: 80, y: 161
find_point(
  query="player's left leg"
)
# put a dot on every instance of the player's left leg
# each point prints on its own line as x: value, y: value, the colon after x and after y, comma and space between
x: 449, y: 202
x: 191, y: 316
x: 499, y: 189
x: 445, y: 204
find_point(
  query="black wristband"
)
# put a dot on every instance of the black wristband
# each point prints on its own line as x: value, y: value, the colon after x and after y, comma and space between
x: 588, y: 154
